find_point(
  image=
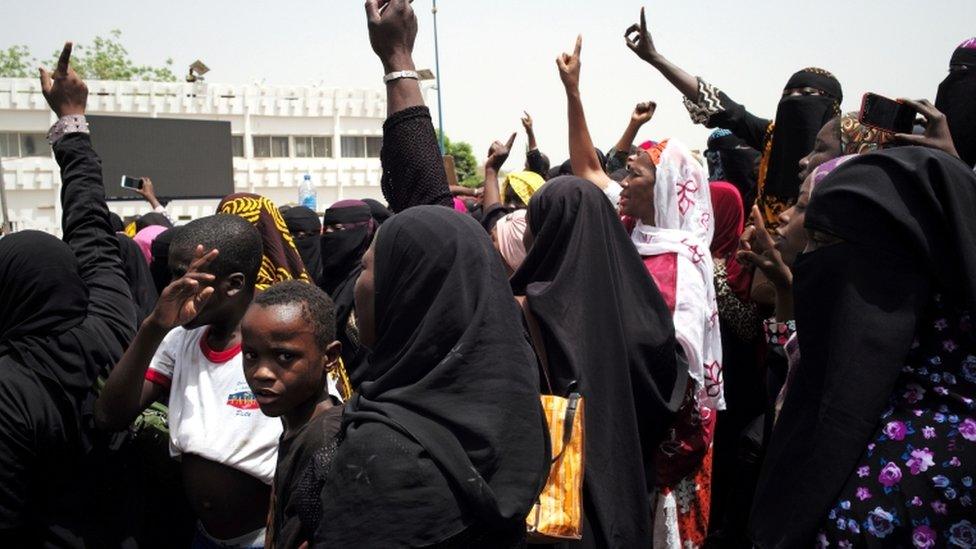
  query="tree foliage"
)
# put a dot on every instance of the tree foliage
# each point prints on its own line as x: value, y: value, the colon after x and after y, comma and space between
x: 104, y: 59
x: 464, y: 161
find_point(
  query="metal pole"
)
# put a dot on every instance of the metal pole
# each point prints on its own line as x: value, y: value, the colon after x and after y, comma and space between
x: 437, y: 67
x: 5, y: 228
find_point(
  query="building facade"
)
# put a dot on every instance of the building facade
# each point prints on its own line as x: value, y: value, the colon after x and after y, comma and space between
x: 279, y: 134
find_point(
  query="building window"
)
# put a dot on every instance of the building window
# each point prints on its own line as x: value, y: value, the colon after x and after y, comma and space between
x: 13, y: 144
x: 262, y: 146
x: 312, y: 147
x: 9, y: 145
x: 279, y: 146
x: 353, y: 146
x: 237, y: 145
x: 373, y: 146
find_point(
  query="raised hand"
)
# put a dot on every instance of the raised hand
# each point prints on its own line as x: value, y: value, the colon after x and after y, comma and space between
x: 643, y: 112
x: 757, y: 248
x: 498, y: 153
x: 639, y: 40
x: 64, y: 91
x: 527, y: 122
x: 936, y: 134
x: 185, y: 297
x: 392, y: 32
x: 569, y: 65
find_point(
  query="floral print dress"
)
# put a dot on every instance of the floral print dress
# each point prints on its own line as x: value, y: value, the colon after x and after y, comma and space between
x: 914, y: 485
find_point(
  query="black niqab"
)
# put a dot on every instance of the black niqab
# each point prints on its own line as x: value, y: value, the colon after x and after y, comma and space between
x: 606, y: 328
x: 379, y: 212
x: 798, y: 119
x: 452, y: 383
x: 905, y: 216
x: 957, y: 100
x: 301, y: 219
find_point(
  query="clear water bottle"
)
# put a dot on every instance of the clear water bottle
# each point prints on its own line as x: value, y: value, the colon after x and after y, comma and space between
x: 307, y: 195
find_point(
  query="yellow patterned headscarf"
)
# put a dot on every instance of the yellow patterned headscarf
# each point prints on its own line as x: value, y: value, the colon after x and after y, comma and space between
x: 525, y: 184
x: 281, y: 260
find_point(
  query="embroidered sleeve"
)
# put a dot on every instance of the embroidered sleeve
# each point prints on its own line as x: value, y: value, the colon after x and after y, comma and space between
x: 708, y: 104
x: 72, y: 123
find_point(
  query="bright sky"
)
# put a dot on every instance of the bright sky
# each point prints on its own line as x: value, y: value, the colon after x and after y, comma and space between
x: 498, y: 57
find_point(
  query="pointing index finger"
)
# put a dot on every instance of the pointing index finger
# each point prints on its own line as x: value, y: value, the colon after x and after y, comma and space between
x: 511, y: 141
x: 643, y: 24
x: 579, y: 45
x: 64, y: 59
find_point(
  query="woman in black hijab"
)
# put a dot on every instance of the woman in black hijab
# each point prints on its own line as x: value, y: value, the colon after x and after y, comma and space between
x: 67, y: 315
x: 608, y: 333
x: 379, y: 212
x: 348, y: 231
x: 306, y: 229
x: 877, y: 436
x: 811, y: 97
x: 444, y: 443
x: 141, y: 285
x: 956, y: 100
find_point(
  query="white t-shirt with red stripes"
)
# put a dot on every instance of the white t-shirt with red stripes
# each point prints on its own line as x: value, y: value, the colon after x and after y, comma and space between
x: 212, y: 412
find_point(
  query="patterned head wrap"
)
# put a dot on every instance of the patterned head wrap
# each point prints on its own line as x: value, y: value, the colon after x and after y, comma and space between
x: 856, y: 138
x: 525, y: 184
x: 281, y: 260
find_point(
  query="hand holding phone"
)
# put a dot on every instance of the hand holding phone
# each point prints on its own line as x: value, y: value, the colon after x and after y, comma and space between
x: 885, y: 114
x: 133, y: 183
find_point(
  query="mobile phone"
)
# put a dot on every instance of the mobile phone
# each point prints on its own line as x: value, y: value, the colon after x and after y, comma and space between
x: 886, y: 114
x: 131, y: 182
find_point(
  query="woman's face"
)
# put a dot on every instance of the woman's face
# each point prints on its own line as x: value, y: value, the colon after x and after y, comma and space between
x: 790, y: 237
x: 637, y: 197
x: 365, y: 296
x: 826, y: 147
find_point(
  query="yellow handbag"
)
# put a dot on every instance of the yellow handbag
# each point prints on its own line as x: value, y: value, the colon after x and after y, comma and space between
x: 558, y: 512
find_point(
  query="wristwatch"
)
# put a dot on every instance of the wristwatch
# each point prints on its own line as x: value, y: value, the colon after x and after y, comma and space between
x: 397, y: 75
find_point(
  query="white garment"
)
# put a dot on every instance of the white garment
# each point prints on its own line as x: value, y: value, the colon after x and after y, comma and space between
x: 613, y: 191
x: 684, y: 224
x: 212, y: 412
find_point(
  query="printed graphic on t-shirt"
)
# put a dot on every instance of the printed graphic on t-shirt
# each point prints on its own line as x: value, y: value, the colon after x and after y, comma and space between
x: 243, y: 400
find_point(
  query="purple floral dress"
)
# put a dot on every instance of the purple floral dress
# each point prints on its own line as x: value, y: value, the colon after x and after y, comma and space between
x: 914, y: 485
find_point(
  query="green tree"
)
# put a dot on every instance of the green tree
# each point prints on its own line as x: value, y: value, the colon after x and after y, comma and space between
x: 464, y: 161
x: 17, y: 62
x: 107, y: 59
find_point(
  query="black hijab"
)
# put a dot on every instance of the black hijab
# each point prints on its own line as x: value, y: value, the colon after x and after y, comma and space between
x: 116, y: 222
x: 957, y: 100
x: 798, y: 119
x: 730, y: 159
x: 137, y: 274
x: 301, y: 219
x: 153, y: 218
x: 342, y: 250
x: 606, y: 328
x: 159, y: 266
x: 906, y: 218
x: 379, y: 212
x: 43, y: 298
x: 451, y: 373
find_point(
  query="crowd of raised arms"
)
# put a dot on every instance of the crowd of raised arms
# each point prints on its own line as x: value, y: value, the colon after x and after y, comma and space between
x: 769, y: 345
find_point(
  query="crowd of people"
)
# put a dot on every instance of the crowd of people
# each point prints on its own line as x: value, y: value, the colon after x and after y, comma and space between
x: 264, y: 377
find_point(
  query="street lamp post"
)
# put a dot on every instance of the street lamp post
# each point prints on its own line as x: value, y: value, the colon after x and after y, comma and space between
x: 437, y: 69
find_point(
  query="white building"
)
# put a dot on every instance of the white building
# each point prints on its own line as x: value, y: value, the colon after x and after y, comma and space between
x: 280, y: 133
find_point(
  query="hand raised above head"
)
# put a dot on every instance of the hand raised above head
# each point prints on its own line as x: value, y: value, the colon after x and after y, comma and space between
x: 498, y: 153
x: 569, y: 65
x: 527, y: 121
x: 64, y: 90
x: 639, y: 40
x: 643, y: 112
x: 392, y: 32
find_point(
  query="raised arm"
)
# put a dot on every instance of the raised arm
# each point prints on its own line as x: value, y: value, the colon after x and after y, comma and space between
x: 413, y: 169
x: 642, y: 115
x: 582, y: 155
x: 497, y: 155
x: 706, y: 104
x: 127, y: 392
x: 85, y: 219
x: 640, y: 42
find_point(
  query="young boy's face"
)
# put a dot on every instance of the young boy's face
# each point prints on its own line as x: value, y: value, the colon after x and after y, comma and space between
x: 284, y: 364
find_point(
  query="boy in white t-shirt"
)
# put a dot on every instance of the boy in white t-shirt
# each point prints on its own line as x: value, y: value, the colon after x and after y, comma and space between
x: 189, y: 348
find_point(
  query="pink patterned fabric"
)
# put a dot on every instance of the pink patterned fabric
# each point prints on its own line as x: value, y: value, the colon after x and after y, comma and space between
x: 145, y: 237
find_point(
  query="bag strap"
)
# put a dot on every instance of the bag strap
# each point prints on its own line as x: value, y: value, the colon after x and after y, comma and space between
x: 536, y: 334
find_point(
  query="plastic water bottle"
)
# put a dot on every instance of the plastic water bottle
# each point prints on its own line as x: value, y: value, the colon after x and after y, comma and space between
x: 307, y: 195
